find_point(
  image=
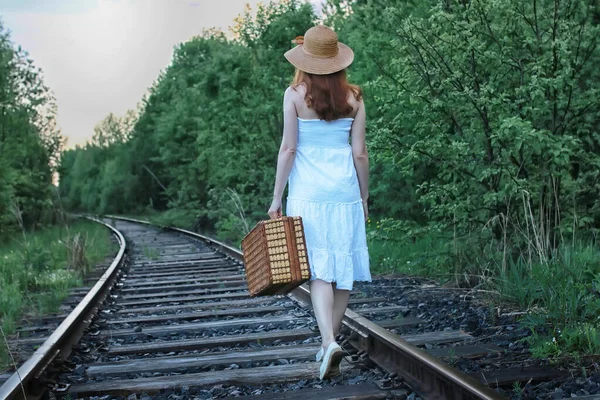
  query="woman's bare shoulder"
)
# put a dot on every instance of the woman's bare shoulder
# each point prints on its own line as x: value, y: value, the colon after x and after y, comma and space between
x: 355, y: 102
x: 298, y: 90
x: 295, y: 93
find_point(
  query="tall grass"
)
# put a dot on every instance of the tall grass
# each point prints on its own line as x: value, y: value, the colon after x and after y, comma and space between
x: 554, y: 278
x: 562, y: 296
x: 38, y: 268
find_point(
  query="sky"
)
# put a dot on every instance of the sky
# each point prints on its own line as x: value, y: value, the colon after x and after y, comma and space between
x: 101, y: 56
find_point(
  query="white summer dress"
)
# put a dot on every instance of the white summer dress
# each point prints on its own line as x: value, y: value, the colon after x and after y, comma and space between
x: 324, y: 191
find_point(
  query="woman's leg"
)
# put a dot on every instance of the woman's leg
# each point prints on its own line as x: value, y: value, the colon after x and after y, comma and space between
x: 340, y: 303
x: 321, y: 295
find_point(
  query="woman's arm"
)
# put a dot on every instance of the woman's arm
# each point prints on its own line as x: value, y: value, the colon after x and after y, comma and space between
x: 287, y: 151
x: 360, y: 154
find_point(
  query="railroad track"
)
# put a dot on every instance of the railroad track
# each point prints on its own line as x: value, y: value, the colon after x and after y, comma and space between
x: 175, y: 319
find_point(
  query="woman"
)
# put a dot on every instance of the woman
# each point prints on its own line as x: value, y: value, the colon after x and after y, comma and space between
x: 328, y: 178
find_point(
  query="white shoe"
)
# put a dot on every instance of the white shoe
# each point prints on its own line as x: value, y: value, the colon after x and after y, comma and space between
x: 319, y: 355
x: 331, y: 360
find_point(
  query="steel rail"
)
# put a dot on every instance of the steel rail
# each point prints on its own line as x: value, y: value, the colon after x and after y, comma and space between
x: 26, y: 381
x: 427, y: 375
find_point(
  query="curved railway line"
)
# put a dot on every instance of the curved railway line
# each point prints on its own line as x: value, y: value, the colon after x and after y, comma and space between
x: 171, y: 316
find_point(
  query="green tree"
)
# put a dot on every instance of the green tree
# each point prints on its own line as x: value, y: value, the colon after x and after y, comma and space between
x: 113, y: 129
x: 495, y: 99
x: 29, y: 141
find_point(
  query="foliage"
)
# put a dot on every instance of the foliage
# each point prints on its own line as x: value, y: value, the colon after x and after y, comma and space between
x: 564, y: 306
x: 581, y: 339
x: 37, y: 272
x: 113, y: 129
x: 30, y: 142
x: 393, y: 250
x: 487, y: 109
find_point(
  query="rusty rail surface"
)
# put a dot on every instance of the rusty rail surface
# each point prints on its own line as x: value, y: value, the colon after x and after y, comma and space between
x: 27, y: 381
x: 428, y: 376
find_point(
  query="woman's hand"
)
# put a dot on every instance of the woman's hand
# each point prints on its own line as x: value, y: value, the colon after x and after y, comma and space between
x: 275, y: 209
x: 365, y: 204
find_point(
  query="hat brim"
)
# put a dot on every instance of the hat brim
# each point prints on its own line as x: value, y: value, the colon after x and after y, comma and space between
x: 318, y: 65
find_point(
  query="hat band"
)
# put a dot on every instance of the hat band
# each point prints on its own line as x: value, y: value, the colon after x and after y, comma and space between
x: 337, y: 50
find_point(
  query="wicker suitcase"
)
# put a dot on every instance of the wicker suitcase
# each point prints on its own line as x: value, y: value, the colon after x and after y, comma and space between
x: 275, y: 256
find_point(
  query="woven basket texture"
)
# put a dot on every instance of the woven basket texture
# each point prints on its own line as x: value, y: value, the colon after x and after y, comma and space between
x: 275, y: 256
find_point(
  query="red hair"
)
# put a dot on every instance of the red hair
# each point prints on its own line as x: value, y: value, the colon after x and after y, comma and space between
x: 327, y: 94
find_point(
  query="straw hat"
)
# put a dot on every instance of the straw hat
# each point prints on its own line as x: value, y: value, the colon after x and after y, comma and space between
x: 319, y: 52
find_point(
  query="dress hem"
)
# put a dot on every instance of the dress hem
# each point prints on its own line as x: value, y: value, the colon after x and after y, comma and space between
x: 339, y: 267
x: 338, y: 286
